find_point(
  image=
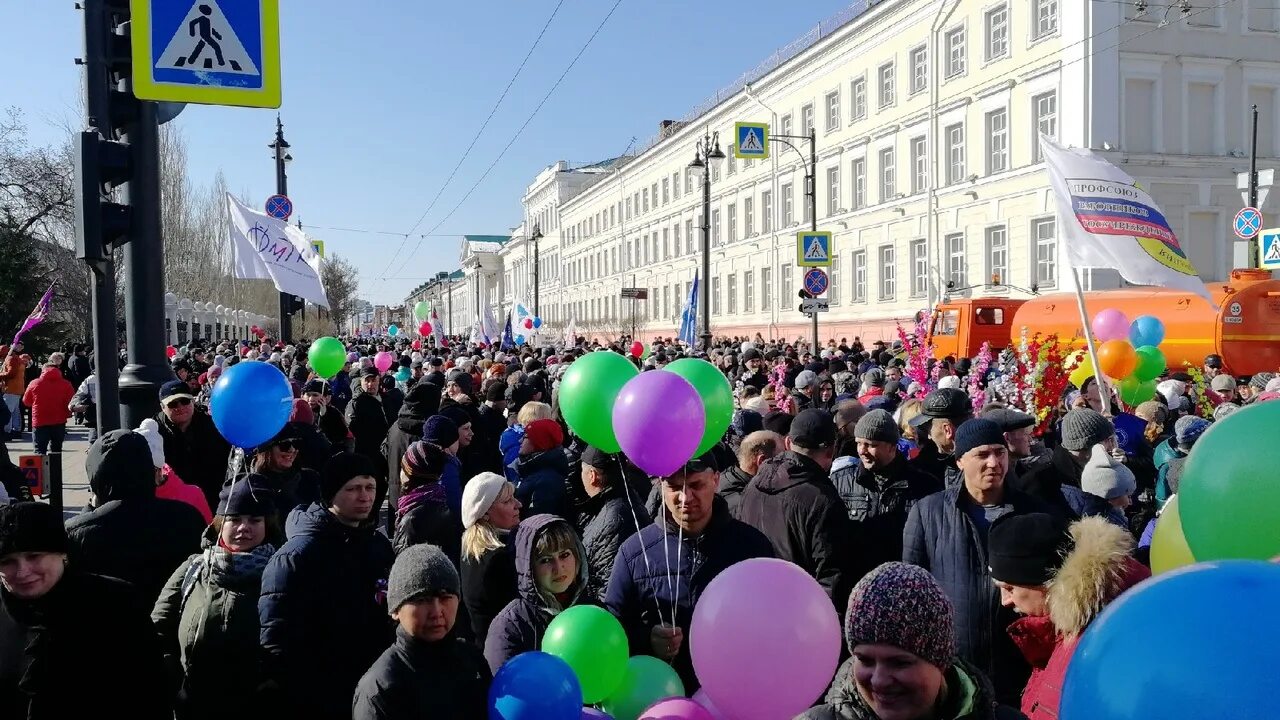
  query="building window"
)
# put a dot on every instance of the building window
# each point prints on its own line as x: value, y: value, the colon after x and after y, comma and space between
x: 858, y: 99
x: 955, y: 154
x: 715, y: 227
x: 731, y: 161
x: 954, y: 43
x: 858, y: 169
x: 1046, y: 111
x: 859, y: 276
x: 715, y: 295
x: 766, y: 289
x: 788, y: 206
x: 666, y: 301
x: 919, y: 164
x: 784, y: 125
x: 888, y: 185
x: 806, y: 119
x: 688, y: 237
x: 690, y: 182
x: 833, y: 110
x: 808, y: 205
x: 886, y: 85
x: 786, y: 281
x: 888, y: 284
x: 833, y: 289
x: 1044, y: 235
x: 675, y: 240
x: 1044, y: 14
x: 956, y: 271
x: 675, y: 186
x: 919, y: 69
x: 997, y: 29
x: 628, y: 214
x: 732, y: 210
x: 833, y: 190
x: 733, y: 293
x: 997, y: 252
x: 666, y: 243
x: 748, y: 291
x: 645, y: 195
x: 997, y: 141
x: 749, y: 216
x: 919, y: 267
x: 666, y: 190
x: 766, y: 211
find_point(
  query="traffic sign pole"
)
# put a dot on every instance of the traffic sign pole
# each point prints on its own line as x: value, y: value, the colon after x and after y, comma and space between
x: 1253, y: 185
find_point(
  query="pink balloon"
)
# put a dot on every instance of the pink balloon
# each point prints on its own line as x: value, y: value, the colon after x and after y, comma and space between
x: 383, y: 361
x: 658, y: 419
x: 704, y: 700
x: 1110, y: 324
x: 676, y: 709
x: 765, y: 640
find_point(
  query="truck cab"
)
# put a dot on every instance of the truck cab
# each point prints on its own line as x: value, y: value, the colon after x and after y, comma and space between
x: 960, y: 326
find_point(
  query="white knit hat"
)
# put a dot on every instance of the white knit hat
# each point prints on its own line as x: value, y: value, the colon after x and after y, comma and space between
x: 478, y: 496
x: 150, y: 430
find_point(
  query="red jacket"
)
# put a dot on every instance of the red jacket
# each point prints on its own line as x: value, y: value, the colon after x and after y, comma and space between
x: 48, y: 397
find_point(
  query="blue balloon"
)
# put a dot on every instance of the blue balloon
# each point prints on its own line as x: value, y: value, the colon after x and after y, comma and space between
x: 1197, y: 642
x: 1146, y: 330
x: 535, y: 686
x: 537, y: 322
x: 519, y: 339
x: 250, y: 403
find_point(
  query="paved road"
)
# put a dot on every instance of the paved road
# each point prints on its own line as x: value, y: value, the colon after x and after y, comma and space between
x: 75, y: 490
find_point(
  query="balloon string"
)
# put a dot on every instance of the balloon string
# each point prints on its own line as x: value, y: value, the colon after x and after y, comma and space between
x: 644, y: 552
x: 675, y: 599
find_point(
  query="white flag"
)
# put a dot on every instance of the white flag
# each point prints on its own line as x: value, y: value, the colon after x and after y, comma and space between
x: 519, y: 314
x: 1107, y: 220
x: 437, y: 329
x: 489, y: 330
x: 265, y: 247
x: 571, y: 333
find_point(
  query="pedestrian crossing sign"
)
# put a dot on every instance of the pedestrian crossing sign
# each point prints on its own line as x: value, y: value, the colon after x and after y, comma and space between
x: 1269, y: 249
x: 213, y: 52
x: 813, y: 249
x: 751, y: 141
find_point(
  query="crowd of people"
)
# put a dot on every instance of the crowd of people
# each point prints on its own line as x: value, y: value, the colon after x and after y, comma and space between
x: 413, y: 528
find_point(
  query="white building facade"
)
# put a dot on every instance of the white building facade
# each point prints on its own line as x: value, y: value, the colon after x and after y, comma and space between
x: 926, y: 115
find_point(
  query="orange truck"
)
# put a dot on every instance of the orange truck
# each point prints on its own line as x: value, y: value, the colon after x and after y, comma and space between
x: 1244, y: 329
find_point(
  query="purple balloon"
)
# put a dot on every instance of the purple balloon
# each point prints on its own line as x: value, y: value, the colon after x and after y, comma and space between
x: 1110, y: 324
x: 590, y: 713
x: 658, y: 419
x: 765, y: 640
x: 676, y: 709
x: 702, y: 698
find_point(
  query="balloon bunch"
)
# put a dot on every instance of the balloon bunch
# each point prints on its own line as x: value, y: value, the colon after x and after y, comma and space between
x: 1128, y: 352
x: 532, y: 323
x: 639, y: 350
x: 659, y: 419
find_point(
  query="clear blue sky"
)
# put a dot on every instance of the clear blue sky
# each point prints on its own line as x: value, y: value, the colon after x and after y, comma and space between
x: 381, y: 98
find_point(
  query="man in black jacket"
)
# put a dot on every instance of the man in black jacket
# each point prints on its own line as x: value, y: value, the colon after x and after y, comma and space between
x: 605, y: 515
x: 193, y: 447
x: 367, y: 420
x: 1051, y: 481
x: 944, y: 411
x: 792, y: 501
x: 492, y: 424
x: 326, y: 415
x: 752, y: 452
x: 422, y: 402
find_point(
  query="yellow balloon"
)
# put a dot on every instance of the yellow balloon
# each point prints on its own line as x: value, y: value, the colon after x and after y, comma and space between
x: 1169, y: 547
x: 1082, y: 371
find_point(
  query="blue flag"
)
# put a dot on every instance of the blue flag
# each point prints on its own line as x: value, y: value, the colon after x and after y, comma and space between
x: 1129, y: 432
x: 688, y: 331
x: 508, y: 342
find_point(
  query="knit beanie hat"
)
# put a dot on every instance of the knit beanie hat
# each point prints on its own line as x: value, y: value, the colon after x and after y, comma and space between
x: 1188, y: 429
x: 1260, y: 380
x: 248, y: 495
x: 302, y: 413
x: 976, y: 432
x: 420, y: 570
x: 423, y: 461
x: 457, y: 414
x: 440, y: 430
x: 1027, y: 548
x: 479, y: 495
x: 873, y: 378
x: 902, y: 605
x: 1273, y: 385
x: 150, y: 430
x: 31, y: 527
x: 1082, y: 428
x: 877, y: 425
x: 339, y: 470
x: 544, y: 434
x: 1106, y: 477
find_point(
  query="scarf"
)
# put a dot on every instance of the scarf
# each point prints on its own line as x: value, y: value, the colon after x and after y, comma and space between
x: 430, y: 492
x: 231, y: 569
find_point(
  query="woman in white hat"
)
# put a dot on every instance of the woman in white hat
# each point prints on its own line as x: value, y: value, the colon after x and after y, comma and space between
x: 490, y: 511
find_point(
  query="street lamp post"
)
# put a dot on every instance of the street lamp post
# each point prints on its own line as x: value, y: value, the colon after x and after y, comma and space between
x: 280, y: 150
x: 705, y: 152
x: 535, y: 236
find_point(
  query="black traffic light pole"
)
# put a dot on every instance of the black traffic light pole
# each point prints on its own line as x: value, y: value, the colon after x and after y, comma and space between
x: 811, y: 196
x: 286, y: 305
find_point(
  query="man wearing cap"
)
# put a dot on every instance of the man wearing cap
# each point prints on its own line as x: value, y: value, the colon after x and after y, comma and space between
x: 1224, y: 389
x: 605, y: 514
x: 944, y: 410
x: 459, y: 401
x: 873, y: 382
x: 806, y: 383
x: 792, y: 501
x: 756, y: 374
x: 1212, y: 366
x: 492, y: 423
x: 1081, y: 429
x: 325, y: 415
x: 1018, y: 428
x: 879, y: 490
x: 946, y: 534
x: 193, y: 447
x: 1186, y: 431
x: 697, y: 533
x: 367, y: 420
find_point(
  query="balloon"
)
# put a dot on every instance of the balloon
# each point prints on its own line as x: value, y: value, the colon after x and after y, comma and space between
x: 659, y: 422
x: 590, y: 713
x: 646, y: 351
x: 1146, y: 330
x: 1134, y: 391
x: 353, y: 356
x: 424, y: 328
x: 1151, y: 363
x: 717, y: 397
x: 1168, y: 545
x: 765, y: 640
x: 1110, y: 324
x: 327, y: 356
x: 676, y: 709
x: 250, y: 403
x: 422, y: 310
x: 646, y: 681
x: 402, y: 375
x: 1082, y: 372
x: 1116, y: 358
x: 416, y: 344
x: 588, y: 392
x: 637, y: 347
x: 537, y: 322
x: 1229, y: 495
x: 519, y: 340
x: 170, y: 351
x: 392, y: 330
x: 591, y: 640
x: 704, y: 700
x: 383, y: 361
x: 528, y: 324
x: 1129, y: 664
x: 535, y: 686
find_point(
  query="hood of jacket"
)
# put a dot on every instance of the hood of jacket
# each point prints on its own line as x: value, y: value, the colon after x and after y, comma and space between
x: 422, y: 402
x: 972, y: 695
x: 51, y: 374
x: 785, y: 471
x: 526, y: 533
x: 1094, y: 573
x: 554, y: 460
x: 733, y: 480
x: 119, y: 467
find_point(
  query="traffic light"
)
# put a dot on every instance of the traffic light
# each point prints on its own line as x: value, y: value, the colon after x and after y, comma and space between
x: 100, y: 166
x: 804, y: 295
x: 296, y: 304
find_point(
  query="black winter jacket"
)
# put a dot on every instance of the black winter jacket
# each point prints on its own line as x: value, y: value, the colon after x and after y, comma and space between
x: 369, y: 426
x: 412, y: 679
x: 323, y: 613
x: 792, y: 501
x: 198, y: 454
x: 474, y: 457
x: 297, y: 487
x: 492, y: 425
x: 421, y: 403
x: 878, y: 502
x: 429, y: 521
x: 488, y: 584
x: 334, y: 428
x: 1045, y: 480
x: 931, y: 461
x: 541, y: 485
x: 314, y: 448
x: 733, y: 482
x: 604, y: 522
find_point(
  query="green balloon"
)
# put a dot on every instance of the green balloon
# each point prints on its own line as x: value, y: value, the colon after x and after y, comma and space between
x: 594, y: 644
x: 717, y: 397
x: 1151, y: 363
x: 646, y: 681
x: 1134, y: 391
x: 587, y: 393
x: 1228, y: 496
x: 327, y: 356
x: 422, y: 310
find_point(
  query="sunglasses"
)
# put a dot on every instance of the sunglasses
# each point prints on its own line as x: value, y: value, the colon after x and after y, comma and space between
x: 178, y: 402
x: 286, y: 446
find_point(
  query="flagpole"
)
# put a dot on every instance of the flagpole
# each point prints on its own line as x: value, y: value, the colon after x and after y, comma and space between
x: 1104, y: 388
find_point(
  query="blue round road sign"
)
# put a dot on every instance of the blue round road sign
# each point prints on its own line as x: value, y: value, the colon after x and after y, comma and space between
x: 279, y: 207
x: 1248, y: 223
x: 815, y: 281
